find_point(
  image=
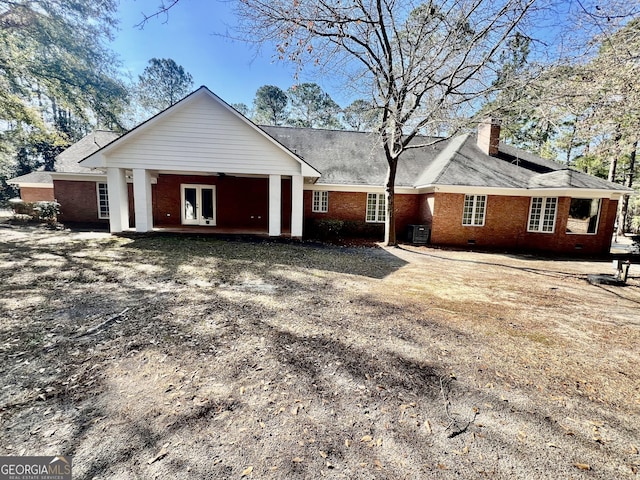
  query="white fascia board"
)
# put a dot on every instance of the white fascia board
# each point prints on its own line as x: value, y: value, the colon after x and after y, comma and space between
x: 32, y: 185
x: 526, y: 192
x: 94, y: 177
x: 225, y: 173
x: 79, y: 177
x: 473, y: 190
x: 357, y: 188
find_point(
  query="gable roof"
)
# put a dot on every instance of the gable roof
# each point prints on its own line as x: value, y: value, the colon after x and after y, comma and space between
x: 345, y: 158
x: 200, y: 132
x: 357, y: 158
x: 68, y: 160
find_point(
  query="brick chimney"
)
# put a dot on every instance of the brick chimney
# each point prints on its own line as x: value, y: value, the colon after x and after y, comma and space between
x: 489, y: 136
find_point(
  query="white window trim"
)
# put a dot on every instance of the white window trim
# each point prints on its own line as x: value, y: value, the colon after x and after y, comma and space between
x: 474, y: 211
x: 542, y: 215
x: 380, y: 197
x: 320, y: 201
x: 597, y: 221
x: 101, y: 216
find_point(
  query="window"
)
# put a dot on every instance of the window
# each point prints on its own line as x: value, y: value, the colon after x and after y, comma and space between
x: 320, y: 202
x: 475, y: 207
x: 583, y: 215
x: 376, y: 207
x: 103, y: 200
x: 542, y: 215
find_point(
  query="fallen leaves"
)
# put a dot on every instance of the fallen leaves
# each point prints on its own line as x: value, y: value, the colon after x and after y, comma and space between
x: 352, y: 417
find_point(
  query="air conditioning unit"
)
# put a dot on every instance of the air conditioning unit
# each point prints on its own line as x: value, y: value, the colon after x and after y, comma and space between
x: 419, y: 234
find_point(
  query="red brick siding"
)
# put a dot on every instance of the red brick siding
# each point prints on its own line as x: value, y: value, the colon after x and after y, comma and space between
x: 240, y: 202
x: 352, y: 207
x: 78, y: 201
x: 506, y: 226
x: 425, y: 214
x: 407, y: 208
x: 36, y: 194
x: 348, y: 206
x: 132, y: 210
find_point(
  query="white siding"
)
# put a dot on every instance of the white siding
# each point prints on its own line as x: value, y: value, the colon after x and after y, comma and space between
x: 201, y: 135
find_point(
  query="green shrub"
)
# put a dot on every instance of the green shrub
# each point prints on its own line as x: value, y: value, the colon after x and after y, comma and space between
x: 47, y: 211
x: 329, y: 228
x: 39, y: 211
x: 334, y: 229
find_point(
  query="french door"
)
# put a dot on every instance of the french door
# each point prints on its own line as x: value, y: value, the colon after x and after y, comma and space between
x: 198, y: 204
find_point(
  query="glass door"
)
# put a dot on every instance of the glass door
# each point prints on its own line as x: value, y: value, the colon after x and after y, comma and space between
x: 198, y: 204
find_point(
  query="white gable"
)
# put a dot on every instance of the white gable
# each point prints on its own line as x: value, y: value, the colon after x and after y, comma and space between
x: 200, y: 134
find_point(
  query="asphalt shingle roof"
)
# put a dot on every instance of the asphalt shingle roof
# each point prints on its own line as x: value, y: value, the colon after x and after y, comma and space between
x: 34, y: 177
x: 357, y: 158
x: 68, y: 160
x: 354, y: 158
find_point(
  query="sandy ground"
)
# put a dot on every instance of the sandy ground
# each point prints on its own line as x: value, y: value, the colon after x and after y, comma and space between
x: 191, y: 357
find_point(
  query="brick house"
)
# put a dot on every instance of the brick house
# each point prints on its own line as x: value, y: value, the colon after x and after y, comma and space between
x: 201, y: 164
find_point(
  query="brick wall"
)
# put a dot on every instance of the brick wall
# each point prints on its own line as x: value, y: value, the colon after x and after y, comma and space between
x: 78, y: 201
x: 506, y: 226
x: 36, y: 194
x: 240, y: 202
x: 352, y: 207
x: 425, y: 208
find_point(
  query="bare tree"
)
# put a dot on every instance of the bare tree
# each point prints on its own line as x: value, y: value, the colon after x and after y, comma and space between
x: 424, y: 62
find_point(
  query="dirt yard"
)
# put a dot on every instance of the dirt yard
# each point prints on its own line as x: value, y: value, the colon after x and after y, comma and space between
x: 193, y: 357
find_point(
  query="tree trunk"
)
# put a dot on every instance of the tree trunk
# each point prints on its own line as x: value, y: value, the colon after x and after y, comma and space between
x: 612, y: 169
x: 390, y: 218
x: 613, y: 166
x: 622, y: 218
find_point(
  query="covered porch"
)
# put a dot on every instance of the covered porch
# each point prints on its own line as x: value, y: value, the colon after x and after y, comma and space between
x: 144, y: 200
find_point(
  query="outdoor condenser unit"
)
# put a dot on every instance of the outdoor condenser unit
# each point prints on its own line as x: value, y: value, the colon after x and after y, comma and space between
x: 419, y: 234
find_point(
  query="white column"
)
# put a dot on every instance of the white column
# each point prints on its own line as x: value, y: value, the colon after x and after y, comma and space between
x: 142, y: 200
x: 118, y: 200
x: 297, y: 211
x: 275, y: 205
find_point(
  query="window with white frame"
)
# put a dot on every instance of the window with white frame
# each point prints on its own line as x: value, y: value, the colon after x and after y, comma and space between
x: 475, y: 207
x: 542, y: 214
x: 376, y: 207
x: 320, y: 202
x: 103, y: 200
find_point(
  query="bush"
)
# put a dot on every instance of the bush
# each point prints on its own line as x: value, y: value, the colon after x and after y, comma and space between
x: 329, y: 228
x: 334, y: 229
x: 47, y: 211
x: 39, y: 211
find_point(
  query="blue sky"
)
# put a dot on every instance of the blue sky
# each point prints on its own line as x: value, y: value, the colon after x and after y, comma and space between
x: 191, y: 36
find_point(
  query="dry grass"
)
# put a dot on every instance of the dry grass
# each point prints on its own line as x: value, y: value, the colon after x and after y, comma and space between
x: 228, y: 359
